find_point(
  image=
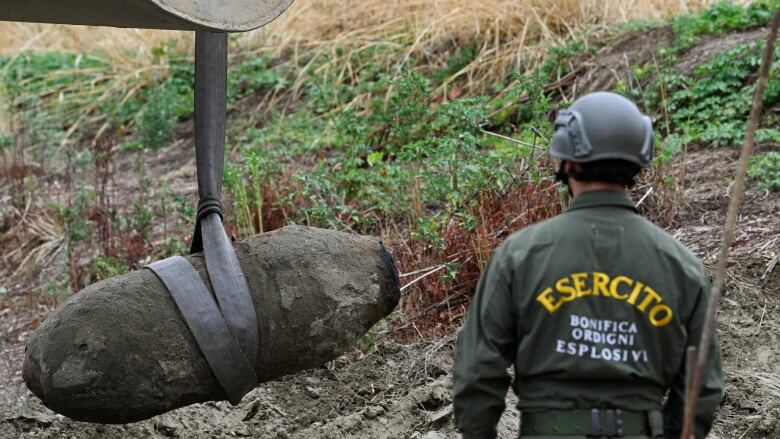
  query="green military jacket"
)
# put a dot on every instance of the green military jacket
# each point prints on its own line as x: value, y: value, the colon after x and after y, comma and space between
x: 595, y: 309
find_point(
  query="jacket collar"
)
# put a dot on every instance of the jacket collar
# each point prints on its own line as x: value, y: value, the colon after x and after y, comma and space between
x: 599, y: 198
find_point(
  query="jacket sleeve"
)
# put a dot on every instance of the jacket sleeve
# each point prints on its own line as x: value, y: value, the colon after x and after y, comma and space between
x: 712, y: 382
x: 484, y: 350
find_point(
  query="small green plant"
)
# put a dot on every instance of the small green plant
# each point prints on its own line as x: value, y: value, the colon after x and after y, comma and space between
x: 185, y: 208
x: 234, y: 182
x: 559, y: 59
x: 6, y: 141
x: 255, y: 75
x: 428, y: 232
x: 75, y: 217
x: 455, y: 64
x: 765, y: 170
x: 668, y: 149
x: 57, y: 289
x: 157, y: 119
x: 721, y: 17
x: 104, y: 267
x: 172, y: 246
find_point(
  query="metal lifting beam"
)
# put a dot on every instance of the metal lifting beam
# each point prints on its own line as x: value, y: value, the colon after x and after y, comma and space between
x: 222, y: 15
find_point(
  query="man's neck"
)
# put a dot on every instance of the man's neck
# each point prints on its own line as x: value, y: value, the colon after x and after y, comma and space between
x: 578, y: 187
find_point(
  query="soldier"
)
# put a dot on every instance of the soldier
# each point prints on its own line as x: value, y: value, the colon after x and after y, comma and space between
x: 594, y: 308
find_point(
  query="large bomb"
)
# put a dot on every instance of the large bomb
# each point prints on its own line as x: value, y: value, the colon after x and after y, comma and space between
x: 119, y: 351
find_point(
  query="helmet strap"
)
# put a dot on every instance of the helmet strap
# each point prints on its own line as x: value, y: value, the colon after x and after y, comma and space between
x: 562, y: 176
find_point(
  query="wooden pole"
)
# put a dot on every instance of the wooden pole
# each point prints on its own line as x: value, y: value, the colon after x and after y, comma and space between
x: 692, y: 398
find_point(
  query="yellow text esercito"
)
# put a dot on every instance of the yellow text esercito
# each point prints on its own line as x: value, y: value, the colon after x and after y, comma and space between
x: 578, y: 285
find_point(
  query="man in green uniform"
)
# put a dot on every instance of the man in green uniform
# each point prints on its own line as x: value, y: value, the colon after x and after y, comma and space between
x: 594, y: 308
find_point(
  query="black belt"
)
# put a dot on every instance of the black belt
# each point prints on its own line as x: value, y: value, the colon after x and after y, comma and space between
x: 596, y: 423
x: 226, y: 329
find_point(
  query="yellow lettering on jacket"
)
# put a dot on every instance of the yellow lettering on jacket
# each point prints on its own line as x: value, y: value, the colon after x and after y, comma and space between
x: 564, y: 287
x: 651, y: 296
x: 613, y: 287
x: 578, y: 285
x: 600, y: 282
x: 635, y: 293
x: 547, y: 300
x: 653, y: 316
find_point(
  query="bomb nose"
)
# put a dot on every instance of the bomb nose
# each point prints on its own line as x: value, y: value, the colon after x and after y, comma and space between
x: 393, y: 295
x: 31, y: 373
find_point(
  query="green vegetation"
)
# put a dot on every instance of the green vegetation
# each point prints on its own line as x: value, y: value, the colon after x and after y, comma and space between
x: 765, y: 169
x: 710, y: 105
x: 380, y: 151
x: 403, y: 156
x: 104, y: 267
x: 64, y: 98
x: 724, y: 16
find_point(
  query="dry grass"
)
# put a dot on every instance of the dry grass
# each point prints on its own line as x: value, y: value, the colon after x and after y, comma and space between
x: 437, y: 21
x: 509, y: 36
x: 505, y: 30
x: 33, y: 239
x: 18, y: 37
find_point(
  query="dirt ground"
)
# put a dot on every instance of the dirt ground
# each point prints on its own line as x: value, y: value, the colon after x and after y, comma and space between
x: 393, y: 390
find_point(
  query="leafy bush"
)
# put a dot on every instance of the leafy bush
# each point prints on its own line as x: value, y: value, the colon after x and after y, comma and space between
x: 723, y: 16
x: 765, y: 169
x: 712, y: 107
x: 409, y: 159
x: 156, y: 119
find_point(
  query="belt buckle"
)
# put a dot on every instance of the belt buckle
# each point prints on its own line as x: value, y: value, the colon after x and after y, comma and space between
x: 608, y: 423
x: 595, y: 423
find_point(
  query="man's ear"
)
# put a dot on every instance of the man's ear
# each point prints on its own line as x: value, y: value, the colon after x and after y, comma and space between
x: 571, y: 167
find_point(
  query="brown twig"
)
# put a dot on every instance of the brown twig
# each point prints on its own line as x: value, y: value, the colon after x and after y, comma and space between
x: 692, y: 399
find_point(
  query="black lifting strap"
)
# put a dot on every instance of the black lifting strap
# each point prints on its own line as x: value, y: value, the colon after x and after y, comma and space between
x: 225, y: 330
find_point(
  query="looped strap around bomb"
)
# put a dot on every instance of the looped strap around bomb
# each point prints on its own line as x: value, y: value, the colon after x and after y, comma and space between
x: 226, y: 329
x: 229, y: 364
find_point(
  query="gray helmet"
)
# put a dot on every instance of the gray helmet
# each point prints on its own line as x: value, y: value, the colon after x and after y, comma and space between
x: 600, y: 126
